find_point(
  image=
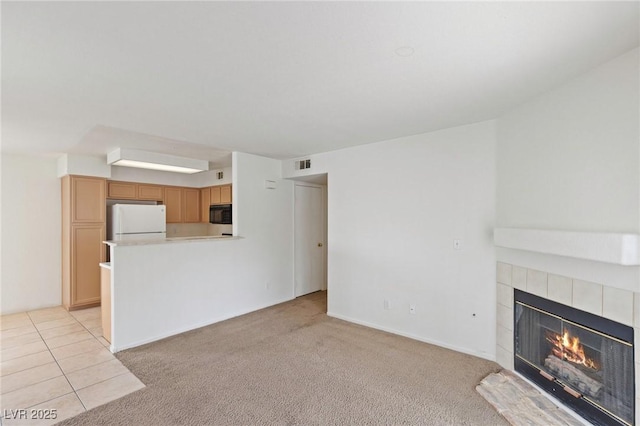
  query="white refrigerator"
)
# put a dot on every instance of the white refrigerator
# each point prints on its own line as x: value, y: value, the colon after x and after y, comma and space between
x: 138, y: 222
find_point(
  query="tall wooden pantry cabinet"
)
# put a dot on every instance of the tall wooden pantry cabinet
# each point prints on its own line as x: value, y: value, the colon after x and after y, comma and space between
x: 83, y: 231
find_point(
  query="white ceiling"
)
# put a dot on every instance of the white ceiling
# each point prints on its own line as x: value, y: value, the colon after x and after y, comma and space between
x: 283, y: 79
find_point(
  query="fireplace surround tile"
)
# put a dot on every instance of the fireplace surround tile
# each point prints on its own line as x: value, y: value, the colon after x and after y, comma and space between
x: 503, y: 273
x: 505, y: 317
x: 519, y: 278
x: 537, y: 282
x: 587, y: 296
x: 618, y: 305
x: 505, y: 338
x: 504, y: 358
x: 505, y: 295
x: 560, y: 289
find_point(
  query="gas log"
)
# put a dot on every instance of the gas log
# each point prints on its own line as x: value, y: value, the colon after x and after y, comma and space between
x: 573, y: 376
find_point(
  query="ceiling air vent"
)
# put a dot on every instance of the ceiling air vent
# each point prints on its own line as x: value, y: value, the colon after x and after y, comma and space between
x: 303, y: 164
x: 220, y: 175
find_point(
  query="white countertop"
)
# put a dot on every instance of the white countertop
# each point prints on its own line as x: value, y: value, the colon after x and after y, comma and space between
x: 143, y: 242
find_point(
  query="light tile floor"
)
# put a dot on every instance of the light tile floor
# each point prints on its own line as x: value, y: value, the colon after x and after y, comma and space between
x: 51, y: 359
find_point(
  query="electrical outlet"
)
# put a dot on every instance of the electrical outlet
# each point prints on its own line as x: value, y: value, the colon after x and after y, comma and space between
x: 456, y: 244
x: 412, y: 309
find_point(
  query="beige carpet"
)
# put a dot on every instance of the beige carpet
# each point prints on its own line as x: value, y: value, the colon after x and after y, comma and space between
x: 292, y: 365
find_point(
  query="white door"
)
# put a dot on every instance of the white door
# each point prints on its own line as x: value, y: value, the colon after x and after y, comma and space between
x: 309, y: 230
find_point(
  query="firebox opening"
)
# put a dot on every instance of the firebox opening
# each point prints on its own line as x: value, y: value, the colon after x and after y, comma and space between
x: 582, y: 359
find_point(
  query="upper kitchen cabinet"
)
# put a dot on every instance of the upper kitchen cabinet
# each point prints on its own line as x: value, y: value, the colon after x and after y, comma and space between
x: 220, y: 194
x: 83, y: 231
x: 121, y: 190
x: 215, y: 195
x: 86, y: 198
x: 134, y: 191
x: 150, y: 192
x: 191, y: 205
x: 225, y: 194
x: 173, y: 200
x: 183, y: 204
x: 205, y: 202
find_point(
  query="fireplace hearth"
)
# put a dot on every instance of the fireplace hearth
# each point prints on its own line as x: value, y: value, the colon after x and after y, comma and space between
x: 582, y: 359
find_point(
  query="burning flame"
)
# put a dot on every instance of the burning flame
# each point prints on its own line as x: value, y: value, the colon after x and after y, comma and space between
x: 569, y: 348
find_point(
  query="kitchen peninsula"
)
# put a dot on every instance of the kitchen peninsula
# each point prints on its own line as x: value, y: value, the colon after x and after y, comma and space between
x: 168, y: 286
x: 158, y: 288
x: 85, y: 201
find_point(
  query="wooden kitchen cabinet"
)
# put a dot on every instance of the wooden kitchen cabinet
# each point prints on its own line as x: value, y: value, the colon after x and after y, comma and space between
x: 121, y: 190
x: 87, y: 199
x: 225, y: 194
x: 150, y: 192
x: 191, y: 213
x: 215, y: 194
x: 183, y: 204
x: 83, y: 231
x: 134, y: 191
x: 86, y: 244
x: 173, y: 201
x: 205, y: 202
x: 220, y: 194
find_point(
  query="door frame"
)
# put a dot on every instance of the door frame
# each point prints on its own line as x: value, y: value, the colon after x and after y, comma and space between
x: 323, y: 189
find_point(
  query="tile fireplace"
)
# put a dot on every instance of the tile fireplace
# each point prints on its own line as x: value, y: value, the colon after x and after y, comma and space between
x: 576, y: 340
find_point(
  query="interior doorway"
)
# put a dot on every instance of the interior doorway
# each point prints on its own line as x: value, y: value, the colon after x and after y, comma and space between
x: 310, y: 237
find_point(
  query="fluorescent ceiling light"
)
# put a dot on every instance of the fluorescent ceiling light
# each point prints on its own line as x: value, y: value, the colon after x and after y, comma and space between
x: 155, y: 161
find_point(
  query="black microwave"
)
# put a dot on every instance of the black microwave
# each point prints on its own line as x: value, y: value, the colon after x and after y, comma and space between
x: 220, y: 214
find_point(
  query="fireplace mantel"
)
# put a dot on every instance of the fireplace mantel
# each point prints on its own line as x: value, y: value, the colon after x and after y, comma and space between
x: 615, y: 248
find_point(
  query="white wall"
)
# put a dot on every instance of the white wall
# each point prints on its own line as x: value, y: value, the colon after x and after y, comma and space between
x: 163, y: 289
x: 569, y: 159
x: 210, y: 178
x: 394, y: 209
x: 30, y: 269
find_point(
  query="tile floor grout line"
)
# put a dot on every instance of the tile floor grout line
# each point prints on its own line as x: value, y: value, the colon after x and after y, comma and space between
x: 92, y: 365
x: 48, y: 400
x: 2, y: 376
x: 105, y: 380
x: 13, y: 328
x: 57, y: 361
x: 72, y: 387
x: 58, y: 364
x: 27, y: 369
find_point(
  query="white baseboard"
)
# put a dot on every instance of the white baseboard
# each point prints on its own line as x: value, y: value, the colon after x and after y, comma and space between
x: 483, y: 355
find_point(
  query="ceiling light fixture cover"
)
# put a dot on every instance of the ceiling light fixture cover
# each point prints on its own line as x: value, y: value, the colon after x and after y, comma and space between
x: 155, y: 161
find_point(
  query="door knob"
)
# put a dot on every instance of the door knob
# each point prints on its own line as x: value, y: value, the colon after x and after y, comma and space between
x: 319, y: 244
